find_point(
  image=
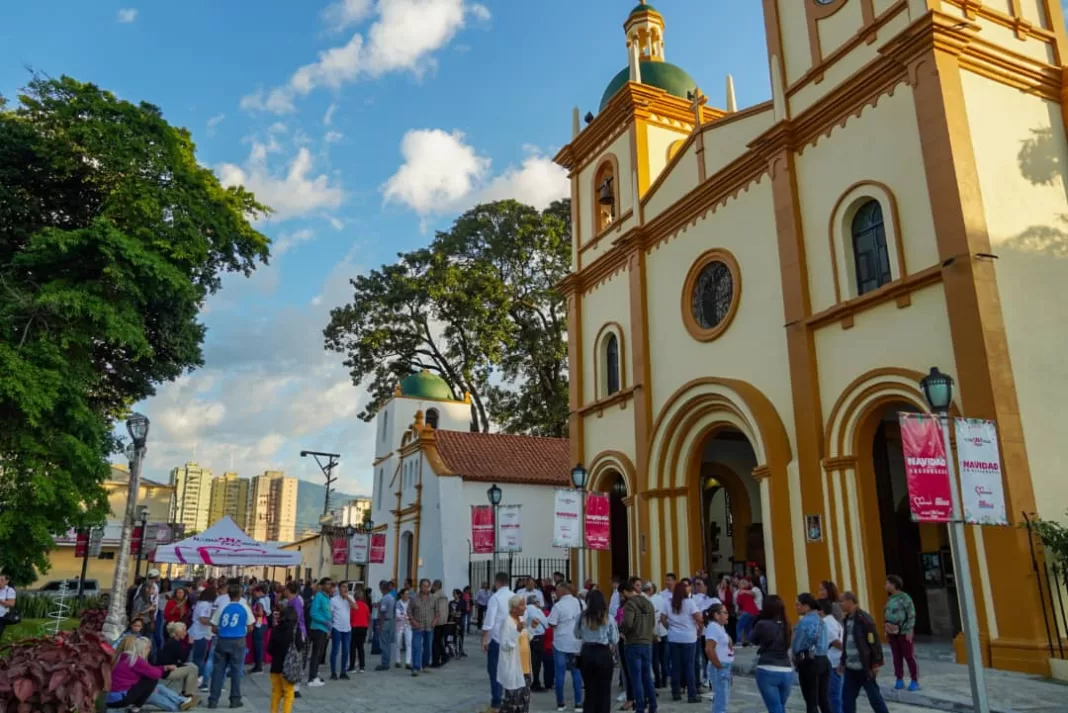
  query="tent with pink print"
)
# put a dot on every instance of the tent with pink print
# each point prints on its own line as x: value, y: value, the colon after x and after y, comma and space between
x: 224, y: 544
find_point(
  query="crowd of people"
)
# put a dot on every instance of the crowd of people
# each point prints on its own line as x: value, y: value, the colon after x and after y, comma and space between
x: 187, y: 641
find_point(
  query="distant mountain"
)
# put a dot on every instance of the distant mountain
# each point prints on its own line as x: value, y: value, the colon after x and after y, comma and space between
x: 310, y: 503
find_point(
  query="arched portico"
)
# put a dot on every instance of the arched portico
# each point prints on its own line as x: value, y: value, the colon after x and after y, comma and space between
x: 613, y: 472
x: 697, y: 413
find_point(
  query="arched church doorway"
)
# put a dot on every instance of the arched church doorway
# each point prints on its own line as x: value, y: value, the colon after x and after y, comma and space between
x: 731, y: 536
x: 620, y: 531
x: 916, y: 552
x: 407, y: 552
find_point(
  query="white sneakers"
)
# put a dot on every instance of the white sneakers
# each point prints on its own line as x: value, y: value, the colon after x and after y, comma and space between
x: 316, y: 683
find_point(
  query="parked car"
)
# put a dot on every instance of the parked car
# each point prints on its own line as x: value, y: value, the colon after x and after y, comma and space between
x: 51, y: 589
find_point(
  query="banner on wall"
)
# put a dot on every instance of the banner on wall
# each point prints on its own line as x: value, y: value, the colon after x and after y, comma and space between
x: 378, y: 548
x: 340, y: 549
x: 482, y: 540
x: 359, y: 548
x: 925, y: 467
x: 567, y: 525
x: 510, y: 529
x: 598, y: 525
x: 981, y: 486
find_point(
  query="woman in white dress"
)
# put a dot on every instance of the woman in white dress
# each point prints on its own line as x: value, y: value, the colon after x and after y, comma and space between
x: 403, y: 632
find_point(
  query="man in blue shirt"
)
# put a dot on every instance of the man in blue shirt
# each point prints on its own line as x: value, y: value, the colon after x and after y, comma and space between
x: 809, y: 649
x: 231, y: 623
x: 387, y: 613
x: 322, y: 618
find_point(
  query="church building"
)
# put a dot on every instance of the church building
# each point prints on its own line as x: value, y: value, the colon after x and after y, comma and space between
x: 757, y: 291
x: 430, y: 469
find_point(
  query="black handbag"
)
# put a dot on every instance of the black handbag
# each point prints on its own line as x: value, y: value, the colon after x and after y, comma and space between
x: 11, y: 618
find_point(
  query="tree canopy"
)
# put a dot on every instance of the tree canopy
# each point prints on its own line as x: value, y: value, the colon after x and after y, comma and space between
x: 479, y: 307
x: 111, y: 237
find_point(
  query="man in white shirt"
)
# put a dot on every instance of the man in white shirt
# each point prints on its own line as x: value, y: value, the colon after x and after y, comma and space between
x: 496, y: 615
x: 565, y: 646
x: 532, y: 591
x: 835, y: 632
x: 614, y: 603
x: 665, y: 604
x: 341, y: 605
x: 7, y: 601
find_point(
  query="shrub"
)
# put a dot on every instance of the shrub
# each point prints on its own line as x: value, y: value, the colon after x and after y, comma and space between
x: 55, y: 675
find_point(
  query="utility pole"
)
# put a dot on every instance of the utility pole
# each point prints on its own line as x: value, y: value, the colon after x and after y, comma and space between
x: 328, y: 470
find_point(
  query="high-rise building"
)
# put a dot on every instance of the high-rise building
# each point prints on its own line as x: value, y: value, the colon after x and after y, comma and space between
x: 229, y: 496
x: 352, y: 513
x: 272, y: 511
x: 191, y: 502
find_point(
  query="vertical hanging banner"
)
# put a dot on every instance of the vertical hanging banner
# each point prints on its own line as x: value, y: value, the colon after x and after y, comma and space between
x: 482, y: 540
x: 378, y: 548
x: 359, y: 548
x: 135, y: 540
x: 925, y: 467
x: 598, y: 526
x: 567, y: 525
x: 981, y: 486
x: 510, y: 531
x: 81, y: 545
x: 340, y: 549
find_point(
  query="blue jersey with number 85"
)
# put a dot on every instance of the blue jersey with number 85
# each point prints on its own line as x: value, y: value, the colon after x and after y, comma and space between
x: 234, y: 621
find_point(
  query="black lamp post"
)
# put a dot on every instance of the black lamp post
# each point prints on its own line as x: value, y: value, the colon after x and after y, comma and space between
x: 938, y: 390
x: 578, y: 479
x: 494, y: 494
x: 348, y: 549
x: 142, y: 517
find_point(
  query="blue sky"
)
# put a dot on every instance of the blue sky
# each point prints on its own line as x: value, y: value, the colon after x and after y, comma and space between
x: 366, y: 124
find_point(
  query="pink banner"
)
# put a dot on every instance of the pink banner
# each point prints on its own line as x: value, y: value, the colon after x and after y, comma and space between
x: 598, y: 526
x: 378, y: 548
x: 340, y: 548
x: 482, y: 540
x: 925, y: 468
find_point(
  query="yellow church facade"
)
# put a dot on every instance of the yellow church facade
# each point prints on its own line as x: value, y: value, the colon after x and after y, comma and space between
x: 757, y: 292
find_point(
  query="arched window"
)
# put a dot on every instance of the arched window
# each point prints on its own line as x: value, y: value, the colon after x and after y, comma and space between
x: 432, y: 417
x: 611, y: 359
x: 870, y: 254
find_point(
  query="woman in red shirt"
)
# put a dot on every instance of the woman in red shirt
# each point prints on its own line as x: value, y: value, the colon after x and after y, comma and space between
x: 360, y: 618
x: 747, y: 611
x: 177, y: 608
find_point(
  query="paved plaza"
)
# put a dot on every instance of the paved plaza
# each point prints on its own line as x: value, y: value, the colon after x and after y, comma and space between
x: 462, y: 687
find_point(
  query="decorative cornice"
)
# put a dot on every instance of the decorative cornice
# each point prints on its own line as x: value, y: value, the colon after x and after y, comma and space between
x: 621, y: 397
x: 761, y: 472
x: 832, y: 465
x: 891, y: 291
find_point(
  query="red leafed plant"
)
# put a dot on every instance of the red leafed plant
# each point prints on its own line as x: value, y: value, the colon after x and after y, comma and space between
x: 62, y: 674
x: 93, y: 620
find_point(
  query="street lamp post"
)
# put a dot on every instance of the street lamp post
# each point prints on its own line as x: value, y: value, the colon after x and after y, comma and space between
x: 578, y: 479
x: 350, y: 532
x: 368, y: 527
x: 142, y: 517
x: 115, y: 623
x: 494, y: 494
x: 938, y: 390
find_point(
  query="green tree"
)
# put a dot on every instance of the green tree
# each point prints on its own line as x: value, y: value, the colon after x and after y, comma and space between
x: 479, y: 307
x: 111, y: 237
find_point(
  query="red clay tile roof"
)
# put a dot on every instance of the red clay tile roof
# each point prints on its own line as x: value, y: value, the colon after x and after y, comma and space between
x: 504, y: 458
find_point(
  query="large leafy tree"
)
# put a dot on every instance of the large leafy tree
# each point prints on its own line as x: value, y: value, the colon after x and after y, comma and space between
x: 111, y: 237
x: 479, y: 307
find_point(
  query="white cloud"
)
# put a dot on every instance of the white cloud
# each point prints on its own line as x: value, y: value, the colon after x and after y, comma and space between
x: 439, y: 170
x: 288, y: 241
x: 328, y: 117
x: 216, y: 120
x: 335, y: 222
x: 442, y: 173
x: 127, y: 15
x: 291, y: 193
x: 332, y: 137
x: 402, y: 38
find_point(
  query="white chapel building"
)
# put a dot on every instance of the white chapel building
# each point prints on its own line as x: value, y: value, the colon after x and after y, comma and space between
x: 430, y: 469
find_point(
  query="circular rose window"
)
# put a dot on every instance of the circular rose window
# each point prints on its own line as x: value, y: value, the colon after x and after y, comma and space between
x: 710, y: 296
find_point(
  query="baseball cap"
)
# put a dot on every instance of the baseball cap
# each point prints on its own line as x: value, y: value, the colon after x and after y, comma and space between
x: 153, y: 573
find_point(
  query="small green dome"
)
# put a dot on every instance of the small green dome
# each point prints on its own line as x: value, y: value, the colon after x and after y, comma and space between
x: 424, y: 385
x: 672, y: 79
x: 643, y: 8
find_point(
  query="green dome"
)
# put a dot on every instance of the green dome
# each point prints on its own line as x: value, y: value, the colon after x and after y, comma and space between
x: 424, y: 385
x: 672, y: 79
x: 643, y: 8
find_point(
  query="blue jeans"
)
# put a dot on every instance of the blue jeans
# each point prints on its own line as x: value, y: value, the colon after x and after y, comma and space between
x: 640, y: 672
x: 834, y: 691
x: 774, y: 687
x: 720, y: 679
x: 200, y: 655
x: 165, y: 698
x: 422, y: 643
x: 493, y: 655
x: 257, y: 645
x: 563, y: 663
x: 682, y: 671
x: 229, y: 660
x: 852, y: 682
x: 385, y: 643
x: 661, y: 662
x: 340, y: 640
x: 745, y: 626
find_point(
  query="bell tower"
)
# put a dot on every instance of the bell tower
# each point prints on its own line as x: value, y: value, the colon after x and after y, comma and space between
x: 645, y: 32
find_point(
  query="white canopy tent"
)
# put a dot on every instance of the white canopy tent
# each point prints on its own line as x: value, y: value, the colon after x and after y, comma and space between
x: 225, y: 545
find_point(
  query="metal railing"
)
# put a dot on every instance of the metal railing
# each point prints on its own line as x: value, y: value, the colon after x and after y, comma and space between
x: 1052, y: 580
x: 516, y: 567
